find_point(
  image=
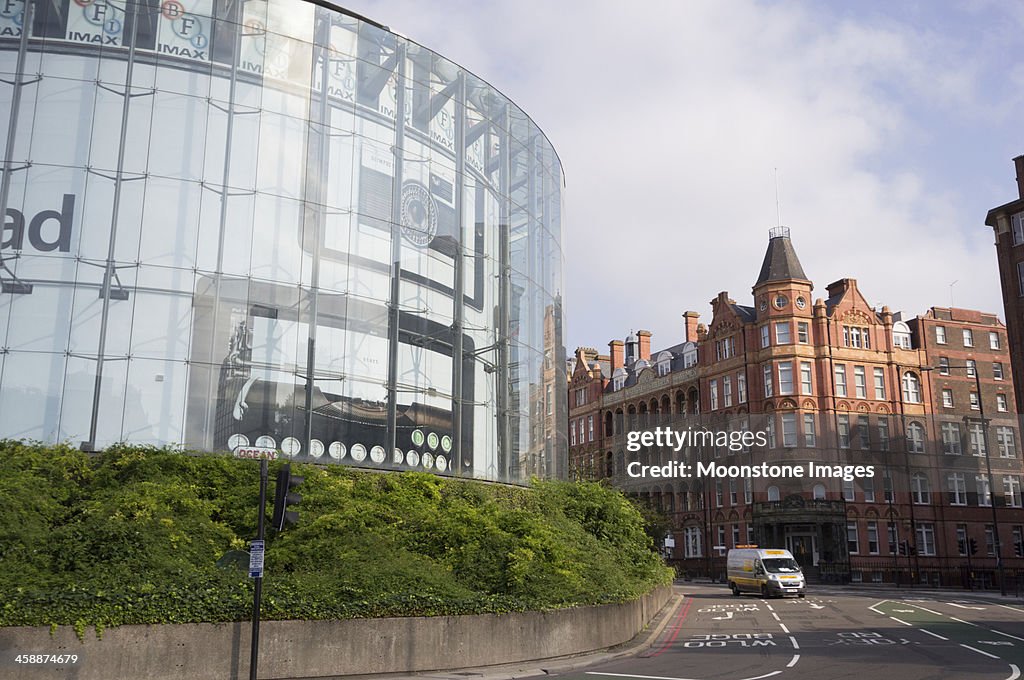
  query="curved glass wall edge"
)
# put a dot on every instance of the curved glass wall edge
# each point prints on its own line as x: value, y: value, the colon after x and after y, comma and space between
x: 218, y: 233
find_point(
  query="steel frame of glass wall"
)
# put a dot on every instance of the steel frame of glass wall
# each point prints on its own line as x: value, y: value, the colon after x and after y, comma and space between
x: 217, y: 234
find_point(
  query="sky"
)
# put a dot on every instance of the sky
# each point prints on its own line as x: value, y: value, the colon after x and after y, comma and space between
x: 888, y: 128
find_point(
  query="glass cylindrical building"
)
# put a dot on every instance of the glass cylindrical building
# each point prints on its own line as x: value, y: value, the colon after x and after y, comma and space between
x: 273, y: 223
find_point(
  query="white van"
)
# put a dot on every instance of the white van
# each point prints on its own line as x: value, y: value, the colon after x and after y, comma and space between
x: 768, y: 572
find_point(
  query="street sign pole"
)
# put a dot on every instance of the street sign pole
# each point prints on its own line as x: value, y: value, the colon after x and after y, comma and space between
x: 256, y: 571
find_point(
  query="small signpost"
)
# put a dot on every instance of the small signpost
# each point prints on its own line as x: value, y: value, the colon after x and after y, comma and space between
x: 256, y: 559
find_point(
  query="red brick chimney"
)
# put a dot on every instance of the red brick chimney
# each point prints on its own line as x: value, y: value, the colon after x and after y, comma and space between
x: 691, y: 326
x: 617, y: 353
x: 1018, y: 162
x: 645, y: 344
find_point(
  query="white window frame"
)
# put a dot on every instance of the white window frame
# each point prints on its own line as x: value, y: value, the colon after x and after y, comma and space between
x: 993, y: 340
x: 789, y: 432
x: 940, y: 335
x: 786, y: 377
x: 951, y: 439
x: 984, y: 489
x: 1011, y: 491
x: 810, y: 437
x: 765, y: 336
x: 840, y: 377
x: 947, y: 397
x: 921, y: 489
x: 782, y: 333
x: 713, y: 394
x: 1006, y: 441
x: 956, y: 486
x: 806, y: 378
x: 741, y: 387
x: 879, y: 374
x: 860, y: 382
x: 1017, y: 228
x: 968, y: 336
x: 997, y: 370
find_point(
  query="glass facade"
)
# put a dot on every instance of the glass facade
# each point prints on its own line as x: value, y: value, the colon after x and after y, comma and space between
x: 273, y: 223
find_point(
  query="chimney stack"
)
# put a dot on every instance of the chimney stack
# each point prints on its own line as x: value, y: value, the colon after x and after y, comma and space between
x: 617, y: 353
x: 691, y: 326
x: 644, y: 338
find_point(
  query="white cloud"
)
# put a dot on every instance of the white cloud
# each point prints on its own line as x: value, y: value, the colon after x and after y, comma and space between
x: 670, y: 117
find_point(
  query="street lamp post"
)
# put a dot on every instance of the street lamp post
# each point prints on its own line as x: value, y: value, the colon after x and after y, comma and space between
x: 991, y: 481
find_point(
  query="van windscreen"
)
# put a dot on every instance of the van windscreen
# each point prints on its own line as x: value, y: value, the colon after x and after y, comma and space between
x: 780, y: 565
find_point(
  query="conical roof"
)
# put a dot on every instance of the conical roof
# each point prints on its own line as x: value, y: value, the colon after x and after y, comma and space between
x: 780, y: 260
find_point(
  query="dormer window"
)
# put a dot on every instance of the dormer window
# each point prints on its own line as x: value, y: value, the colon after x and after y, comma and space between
x: 664, y: 363
x: 689, y: 355
x: 901, y: 335
x: 618, y: 379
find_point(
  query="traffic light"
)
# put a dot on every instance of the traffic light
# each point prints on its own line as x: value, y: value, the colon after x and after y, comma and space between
x: 1018, y: 548
x: 284, y: 498
x: 974, y: 546
x: 903, y: 547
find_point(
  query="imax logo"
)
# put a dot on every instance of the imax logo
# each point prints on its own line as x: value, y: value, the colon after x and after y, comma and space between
x: 48, y: 231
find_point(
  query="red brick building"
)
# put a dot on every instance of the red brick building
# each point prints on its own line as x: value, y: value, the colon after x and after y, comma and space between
x: 829, y: 380
x: 1007, y: 221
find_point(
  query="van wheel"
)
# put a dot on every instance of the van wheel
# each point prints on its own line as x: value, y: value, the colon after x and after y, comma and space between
x: 764, y: 591
x: 735, y: 590
x: 803, y: 594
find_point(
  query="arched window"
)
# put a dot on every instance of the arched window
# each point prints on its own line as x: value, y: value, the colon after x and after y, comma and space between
x: 915, y: 438
x: 819, y: 492
x: 773, y: 493
x: 921, y: 489
x: 901, y: 335
x: 911, y: 388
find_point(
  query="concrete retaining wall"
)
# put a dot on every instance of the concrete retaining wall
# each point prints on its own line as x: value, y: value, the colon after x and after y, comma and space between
x: 311, y: 649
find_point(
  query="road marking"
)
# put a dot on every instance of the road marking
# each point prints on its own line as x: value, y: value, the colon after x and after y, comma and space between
x: 817, y: 606
x: 1006, y: 606
x: 776, y: 617
x: 953, y: 618
x: 1014, y: 672
x: 999, y: 632
x: 684, y: 609
x: 770, y: 608
x: 930, y: 611
x: 793, y: 640
x: 933, y: 634
x: 900, y: 621
x: 973, y: 649
x: 875, y: 609
x: 766, y: 675
x: 954, y: 604
x: 996, y: 643
x: 796, y: 657
x: 728, y: 615
x: 645, y: 677
x: 784, y: 629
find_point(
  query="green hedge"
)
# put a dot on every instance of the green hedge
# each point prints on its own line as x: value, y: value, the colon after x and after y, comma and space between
x: 133, y: 536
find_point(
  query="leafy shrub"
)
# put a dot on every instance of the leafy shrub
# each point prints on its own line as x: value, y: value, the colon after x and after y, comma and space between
x: 132, y: 535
